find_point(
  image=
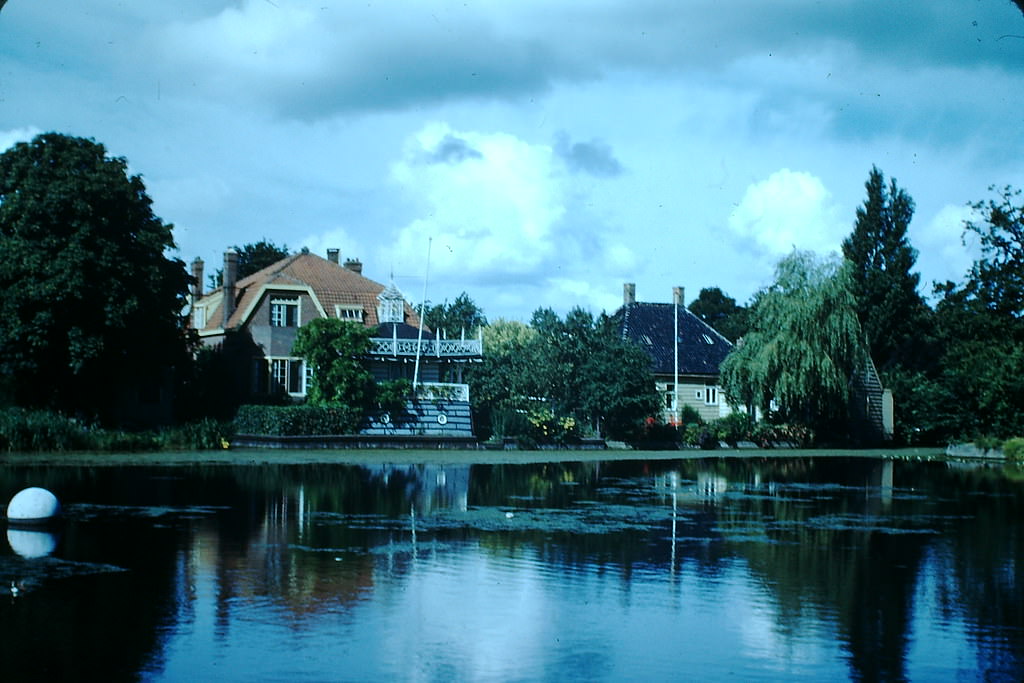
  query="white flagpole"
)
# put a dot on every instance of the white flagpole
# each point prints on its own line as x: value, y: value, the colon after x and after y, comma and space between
x: 423, y: 304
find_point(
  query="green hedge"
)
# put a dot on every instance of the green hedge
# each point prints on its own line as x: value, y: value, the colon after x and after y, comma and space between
x: 1014, y: 449
x: 297, y: 420
x: 44, y: 431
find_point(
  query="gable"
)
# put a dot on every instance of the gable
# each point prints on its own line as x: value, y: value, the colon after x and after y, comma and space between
x: 331, y: 287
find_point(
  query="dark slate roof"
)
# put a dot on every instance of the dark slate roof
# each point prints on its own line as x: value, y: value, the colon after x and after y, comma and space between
x: 701, y: 349
x: 404, y: 331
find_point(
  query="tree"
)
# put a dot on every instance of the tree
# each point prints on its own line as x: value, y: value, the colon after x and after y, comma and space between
x: 462, y: 316
x: 981, y: 324
x: 252, y: 257
x: 892, y: 314
x: 335, y: 350
x: 803, y: 345
x: 721, y: 312
x: 575, y: 368
x: 92, y: 304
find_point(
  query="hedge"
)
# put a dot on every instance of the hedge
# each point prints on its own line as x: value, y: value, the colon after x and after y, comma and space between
x: 297, y: 420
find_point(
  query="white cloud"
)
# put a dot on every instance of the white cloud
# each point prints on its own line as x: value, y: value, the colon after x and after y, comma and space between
x: 491, y: 212
x: 787, y: 210
x: 942, y: 254
x: 9, y: 138
x: 336, y: 238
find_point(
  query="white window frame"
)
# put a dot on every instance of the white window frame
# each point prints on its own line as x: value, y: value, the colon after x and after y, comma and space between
x: 284, y: 371
x: 199, y: 317
x: 710, y: 395
x: 280, y: 306
x: 349, y: 312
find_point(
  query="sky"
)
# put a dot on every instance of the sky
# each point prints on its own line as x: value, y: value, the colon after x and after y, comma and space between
x: 536, y: 153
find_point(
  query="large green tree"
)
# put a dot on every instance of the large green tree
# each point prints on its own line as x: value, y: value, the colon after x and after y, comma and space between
x: 892, y: 313
x: 92, y: 303
x: 721, y: 311
x: 456, y: 318
x: 803, y: 345
x: 335, y: 350
x: 981, y: 323
x: 574, y: 367
x: 252, y: 257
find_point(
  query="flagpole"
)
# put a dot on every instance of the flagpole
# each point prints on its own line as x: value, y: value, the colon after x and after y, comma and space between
x: 423, y: 304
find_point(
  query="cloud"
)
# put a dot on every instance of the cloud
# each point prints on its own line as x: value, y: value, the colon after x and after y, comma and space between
x: 505, y: 218
x: 942, y: 254
x: 9, y: 138
x: 309, y: 60
x: 787, y: 210
x: 336, y: 238
x: 594, y: 157
x: 493, y: 212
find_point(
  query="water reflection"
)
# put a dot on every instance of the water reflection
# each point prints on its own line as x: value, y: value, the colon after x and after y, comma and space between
x: 793, y: 567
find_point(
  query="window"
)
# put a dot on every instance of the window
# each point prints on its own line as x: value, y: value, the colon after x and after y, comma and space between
x: 284, y: 312
x: 670, y: 396
x: 199, y: 317
x: 352, y: 312
x: 287, y: 375
x: 710, y: 395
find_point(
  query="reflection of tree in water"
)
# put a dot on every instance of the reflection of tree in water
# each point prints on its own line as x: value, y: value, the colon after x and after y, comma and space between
x: 839, y: 542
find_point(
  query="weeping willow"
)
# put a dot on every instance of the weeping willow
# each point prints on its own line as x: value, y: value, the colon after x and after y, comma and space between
x: 804, y: 344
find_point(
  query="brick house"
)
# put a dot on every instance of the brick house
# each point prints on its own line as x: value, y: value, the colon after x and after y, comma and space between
x: 254, y: 321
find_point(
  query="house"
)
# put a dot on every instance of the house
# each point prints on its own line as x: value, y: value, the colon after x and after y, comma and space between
x: 685, y: 353
x: 254, y: 321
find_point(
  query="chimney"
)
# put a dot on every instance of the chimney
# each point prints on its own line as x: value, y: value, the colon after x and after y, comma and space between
x: 355, y: 265
x: 197, y: 275
x: 332, y: 255
x: 629, y: 293
x: 679, y: 296
x: 230, y: 276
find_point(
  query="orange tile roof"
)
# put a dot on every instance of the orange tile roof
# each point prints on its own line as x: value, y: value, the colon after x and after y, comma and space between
x: 331, y: 283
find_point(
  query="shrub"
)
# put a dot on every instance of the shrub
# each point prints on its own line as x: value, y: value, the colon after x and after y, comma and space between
x: 297, y: 420
x: 1014, y: 449
x: 733, y: 428
x: 207, y: 434
x: 40, y: 430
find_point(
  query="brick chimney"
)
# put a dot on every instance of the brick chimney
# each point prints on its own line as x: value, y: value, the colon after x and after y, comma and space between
x: 355, y: 265
x: 629, y: 293
x: 333, y: 254
x: 230, y: 277
x: 197, y: 275
x: 679, y: 296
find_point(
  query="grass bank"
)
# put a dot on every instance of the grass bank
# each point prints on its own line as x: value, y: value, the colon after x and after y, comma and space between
x: 378, y: 456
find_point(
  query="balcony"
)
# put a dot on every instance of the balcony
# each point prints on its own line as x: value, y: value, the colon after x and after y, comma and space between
x: 442, y: 391
x: 433, y: 348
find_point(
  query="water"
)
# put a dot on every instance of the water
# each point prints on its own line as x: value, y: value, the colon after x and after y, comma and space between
x: 791, y: 568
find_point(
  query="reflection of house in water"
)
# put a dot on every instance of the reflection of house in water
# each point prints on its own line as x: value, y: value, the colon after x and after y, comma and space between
x: 309, y: 556
x: 428, y: 487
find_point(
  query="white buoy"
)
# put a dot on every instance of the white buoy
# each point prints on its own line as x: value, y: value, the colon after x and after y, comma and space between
x: 33, y: 504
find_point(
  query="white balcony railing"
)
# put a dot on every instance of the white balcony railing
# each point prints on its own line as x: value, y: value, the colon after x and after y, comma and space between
x: 436, y: 348
x: 429, y: 391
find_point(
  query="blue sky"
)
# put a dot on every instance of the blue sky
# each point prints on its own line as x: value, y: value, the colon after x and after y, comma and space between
x: 548, y: 151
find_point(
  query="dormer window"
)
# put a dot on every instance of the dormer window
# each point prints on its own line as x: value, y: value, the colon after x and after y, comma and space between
x: 351, y: 312
x: 391, y: 308
x: 284, y: 312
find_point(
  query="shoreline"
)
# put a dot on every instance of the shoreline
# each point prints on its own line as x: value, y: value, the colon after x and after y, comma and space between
x: 377, y: 456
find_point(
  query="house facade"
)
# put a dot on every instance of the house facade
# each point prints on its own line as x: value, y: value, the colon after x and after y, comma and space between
x: 685, y: 354
x: 254, y: 321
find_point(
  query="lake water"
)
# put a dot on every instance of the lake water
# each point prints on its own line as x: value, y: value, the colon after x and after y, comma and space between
x: 723, y: 568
